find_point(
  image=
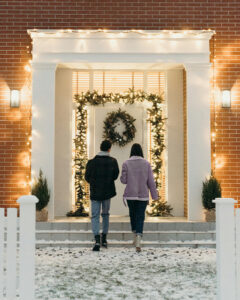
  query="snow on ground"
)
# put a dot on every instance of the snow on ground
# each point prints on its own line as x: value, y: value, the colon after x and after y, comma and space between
x: 121, y: 273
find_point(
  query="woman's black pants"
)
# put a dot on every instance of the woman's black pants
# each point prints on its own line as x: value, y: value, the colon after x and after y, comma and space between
x: 137, y: 215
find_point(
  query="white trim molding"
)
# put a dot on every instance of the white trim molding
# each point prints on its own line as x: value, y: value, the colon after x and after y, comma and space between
x: 96, y: 46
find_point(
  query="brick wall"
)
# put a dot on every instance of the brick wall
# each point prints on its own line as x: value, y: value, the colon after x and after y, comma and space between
x: 15, y: 47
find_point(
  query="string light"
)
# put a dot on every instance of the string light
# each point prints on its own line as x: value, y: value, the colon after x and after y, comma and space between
x: 214, y: 165
x: 217, y: 161
x: 26, y: 160
x: 147, y: 34
x: 27, y: 68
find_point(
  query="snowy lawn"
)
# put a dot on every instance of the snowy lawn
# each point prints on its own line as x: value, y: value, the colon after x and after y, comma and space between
x: 120, y: 273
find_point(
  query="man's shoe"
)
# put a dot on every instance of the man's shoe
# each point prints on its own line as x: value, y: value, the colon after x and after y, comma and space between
x: 104, y: 240
x: 96, y: 247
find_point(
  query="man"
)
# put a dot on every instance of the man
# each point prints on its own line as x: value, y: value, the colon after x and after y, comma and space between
x: 101, y: 172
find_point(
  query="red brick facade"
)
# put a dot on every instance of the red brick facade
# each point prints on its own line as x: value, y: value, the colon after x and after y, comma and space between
x: 15, y: 52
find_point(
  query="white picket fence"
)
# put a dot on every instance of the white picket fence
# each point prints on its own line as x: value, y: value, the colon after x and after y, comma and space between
x: 228, y: 249
x: 17, y: 251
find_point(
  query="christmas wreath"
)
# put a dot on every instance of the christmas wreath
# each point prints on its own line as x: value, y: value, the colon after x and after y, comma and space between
x: 112, y: 121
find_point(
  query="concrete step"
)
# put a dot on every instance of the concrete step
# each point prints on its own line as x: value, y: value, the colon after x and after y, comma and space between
x: 125, y: 226
x: 128, y: 244
x: 161, y: 236
x: 156, y: 234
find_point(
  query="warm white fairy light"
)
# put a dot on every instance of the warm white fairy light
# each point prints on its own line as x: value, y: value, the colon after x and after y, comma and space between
x: 27, y: 68
x: 147, y: 34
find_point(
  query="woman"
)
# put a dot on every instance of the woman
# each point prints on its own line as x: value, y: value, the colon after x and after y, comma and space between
x: 138, y: 176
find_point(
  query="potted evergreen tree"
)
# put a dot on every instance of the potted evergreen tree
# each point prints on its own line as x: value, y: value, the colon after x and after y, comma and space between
x: 41, y: 191
x: 211, y: 190
x: 160, y: 208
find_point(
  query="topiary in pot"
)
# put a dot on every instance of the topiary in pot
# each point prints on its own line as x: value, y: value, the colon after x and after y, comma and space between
x: 41, y: 191
x: 211, y: 190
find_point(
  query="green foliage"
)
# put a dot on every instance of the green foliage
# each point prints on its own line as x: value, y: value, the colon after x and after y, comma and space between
x: 80, y: 212
x: 80, y: 151
x: 130, y: 97
x: 160, y: 208
x: 211, y: 189
x: 41, y: 191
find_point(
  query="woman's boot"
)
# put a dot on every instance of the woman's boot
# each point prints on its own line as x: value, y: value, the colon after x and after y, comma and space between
x: 96, y: 247
x: 138, y: 243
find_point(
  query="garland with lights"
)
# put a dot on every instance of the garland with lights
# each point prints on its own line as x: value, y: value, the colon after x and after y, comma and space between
x: 157, y: 124
x: 110, y: 124
x: 113, y: 33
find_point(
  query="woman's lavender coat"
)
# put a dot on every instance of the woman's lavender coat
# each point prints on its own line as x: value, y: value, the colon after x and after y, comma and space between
x: 137, y: 174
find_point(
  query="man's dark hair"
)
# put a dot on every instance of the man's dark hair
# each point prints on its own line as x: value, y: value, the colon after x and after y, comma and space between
x: 136, y: 150
x: 105, y: 145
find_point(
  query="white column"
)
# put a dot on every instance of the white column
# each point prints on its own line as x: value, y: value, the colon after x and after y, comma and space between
x: 198, y: 135
x: 63, y: 142
x: 225, y: 240
x: 175, y: 146
x: 43, y: 125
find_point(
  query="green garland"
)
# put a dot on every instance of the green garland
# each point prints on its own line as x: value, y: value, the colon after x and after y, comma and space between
x: 110, y: 133
x: 130, y: 97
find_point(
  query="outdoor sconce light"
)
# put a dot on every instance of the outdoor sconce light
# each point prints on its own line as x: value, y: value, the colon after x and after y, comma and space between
x: 15, y: 98
x: 226, y: 98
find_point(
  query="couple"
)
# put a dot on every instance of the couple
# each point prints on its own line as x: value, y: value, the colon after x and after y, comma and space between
x: 101, y: 172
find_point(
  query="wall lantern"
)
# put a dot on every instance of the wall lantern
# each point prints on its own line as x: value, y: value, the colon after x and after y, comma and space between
x: 226, y: 98
x: 15, y: 98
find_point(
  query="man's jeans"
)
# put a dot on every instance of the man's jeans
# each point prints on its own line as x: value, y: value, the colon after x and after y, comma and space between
x: 96, y: 208
x: 137, y: 215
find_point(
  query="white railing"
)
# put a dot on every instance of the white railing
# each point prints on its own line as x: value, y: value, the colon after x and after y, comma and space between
x: 17, y: 272
x: 228, y: 249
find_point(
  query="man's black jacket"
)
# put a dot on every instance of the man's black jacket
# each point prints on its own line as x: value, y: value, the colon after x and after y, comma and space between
x: 101, y: 171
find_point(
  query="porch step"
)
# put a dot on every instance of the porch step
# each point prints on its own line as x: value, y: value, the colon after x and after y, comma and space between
x: 128, y: 244
x: 125, y: 226
x: 164, y: 234
x: 72, y: 235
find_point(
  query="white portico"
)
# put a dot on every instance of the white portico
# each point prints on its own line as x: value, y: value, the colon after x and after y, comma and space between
x: 58, y: 53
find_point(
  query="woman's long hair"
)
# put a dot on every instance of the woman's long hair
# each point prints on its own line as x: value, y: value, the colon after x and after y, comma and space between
x: 136, y: 150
